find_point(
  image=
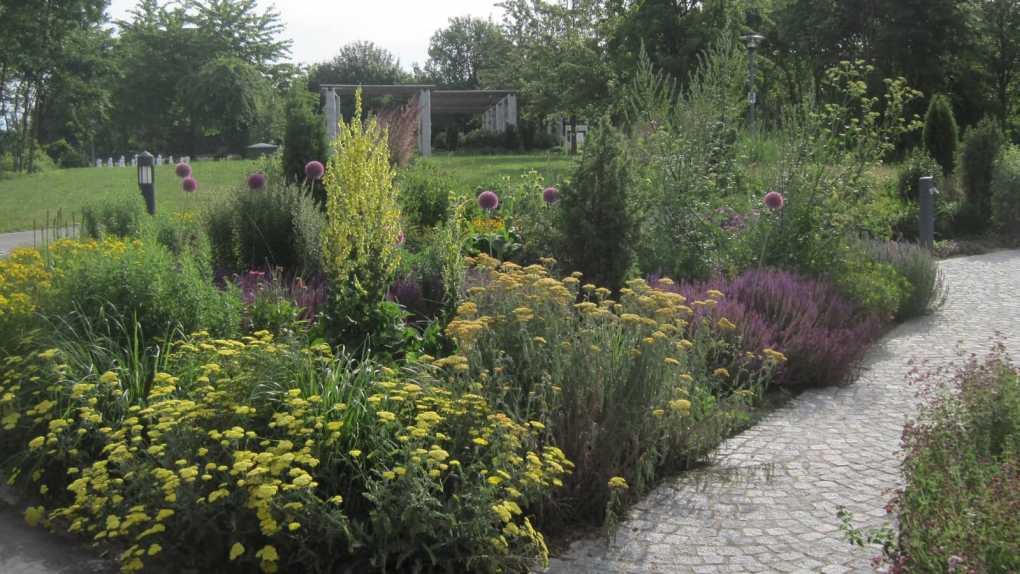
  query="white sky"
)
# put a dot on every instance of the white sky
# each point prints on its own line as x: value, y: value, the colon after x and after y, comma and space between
x: 319, y: 28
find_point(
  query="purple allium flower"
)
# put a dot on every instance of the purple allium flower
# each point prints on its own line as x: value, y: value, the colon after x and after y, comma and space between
x: 256, y: 181
x: 189, y: 184
x: 314, y: 170
x: 774, y: 200
x: 551, y: 195
x: 488, y: 200
x: 182, y: 170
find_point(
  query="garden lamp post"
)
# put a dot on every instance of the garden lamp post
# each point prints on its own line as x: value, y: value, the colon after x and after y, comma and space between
x: 752, y: 41
x: 146, y: 181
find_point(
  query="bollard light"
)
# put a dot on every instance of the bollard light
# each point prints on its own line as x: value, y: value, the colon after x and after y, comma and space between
x: 146, y: 181
x: 752, y: 41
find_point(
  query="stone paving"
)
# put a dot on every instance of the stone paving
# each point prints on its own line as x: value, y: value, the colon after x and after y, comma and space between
x: 768, y: 501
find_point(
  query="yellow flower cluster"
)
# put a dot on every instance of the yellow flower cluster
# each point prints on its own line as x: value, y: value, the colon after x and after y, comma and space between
x: 485, y: 226
x: 23, y: 275
x: 567, y: 354
x: 213, y: 442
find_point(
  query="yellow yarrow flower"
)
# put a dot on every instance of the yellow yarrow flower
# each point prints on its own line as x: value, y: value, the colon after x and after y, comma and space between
x: 236, y: 550
x: 618, y: 482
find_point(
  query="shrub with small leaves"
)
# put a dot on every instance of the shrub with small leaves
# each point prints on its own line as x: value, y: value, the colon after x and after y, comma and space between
x: 1006, y: 193
x: 982, y: 148
x: 361, y: 236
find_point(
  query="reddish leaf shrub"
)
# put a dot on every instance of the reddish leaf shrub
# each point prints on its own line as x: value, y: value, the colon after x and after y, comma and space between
x: 401, y: 125
x: 959, y: 510
x: 821, y: 333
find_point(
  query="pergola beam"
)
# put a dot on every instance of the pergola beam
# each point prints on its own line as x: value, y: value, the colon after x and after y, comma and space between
x: 499, y: 107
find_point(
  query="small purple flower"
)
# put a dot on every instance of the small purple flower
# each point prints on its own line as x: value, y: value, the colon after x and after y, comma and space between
x: 401, y: 239
x: 488, y: 200
x: 551, y: 195
x: 314, y: 170
x: 774, y: 200
x: 256, y: 181
x: 182, y: 170
x: 189, y: 184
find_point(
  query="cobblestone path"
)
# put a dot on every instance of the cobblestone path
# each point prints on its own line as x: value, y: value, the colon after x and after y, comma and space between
x: 768, y: 501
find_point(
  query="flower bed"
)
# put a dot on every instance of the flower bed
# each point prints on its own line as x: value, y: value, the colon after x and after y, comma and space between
x: 626, y: 388
x: 252, y: 453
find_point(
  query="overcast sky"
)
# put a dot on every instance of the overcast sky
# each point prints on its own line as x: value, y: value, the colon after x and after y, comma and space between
x: 319, y: 27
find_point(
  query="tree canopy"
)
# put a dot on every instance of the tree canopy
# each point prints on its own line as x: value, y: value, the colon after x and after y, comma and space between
x: 210, y: 76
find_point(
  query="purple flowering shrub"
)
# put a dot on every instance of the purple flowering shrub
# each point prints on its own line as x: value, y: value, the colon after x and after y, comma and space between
x: 821, y: 333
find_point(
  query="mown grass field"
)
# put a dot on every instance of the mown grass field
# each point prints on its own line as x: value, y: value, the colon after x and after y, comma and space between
x: 27, y: 200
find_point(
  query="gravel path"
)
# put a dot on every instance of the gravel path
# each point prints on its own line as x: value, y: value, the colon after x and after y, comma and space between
x: 768, y: 501
x: 11, y: 241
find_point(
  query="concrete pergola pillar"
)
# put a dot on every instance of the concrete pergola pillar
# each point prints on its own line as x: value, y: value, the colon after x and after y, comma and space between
x: 502, y: 114
x: 332, y: 113
x: 425, y: 122
x: 511, y: 116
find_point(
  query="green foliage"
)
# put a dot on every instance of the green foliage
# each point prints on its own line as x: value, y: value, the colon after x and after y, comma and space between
x: 594, y: 219
x: 304, y: 138
x: 831, y: 193
x: 362, y: 63
x: 137, y: 281
x: 359, y: 241
x: 926, y: 290
x: 957, y: 510
x: 941, y: 134
x: 182, y: 235
x: 860, y: 127
x: 982, y: 147
x: 229, y: 94
x: 683, y: 147
x: 466, y: 54
x: 874, y: 285
x: 226, y: 58
x: 276, y: 226
x: 917, y: 165
x: 65, y: 155
x: 118, y: 216
x: 524, y: 228
x: 484, y: 142
x: 1005, y: 188
x: 272, y: 310
x: 424, y: 194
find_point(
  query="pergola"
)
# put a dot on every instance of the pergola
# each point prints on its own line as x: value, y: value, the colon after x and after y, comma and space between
x: 498, y: 107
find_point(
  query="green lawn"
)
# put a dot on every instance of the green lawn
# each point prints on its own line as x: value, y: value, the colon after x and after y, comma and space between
x: 26, y: 200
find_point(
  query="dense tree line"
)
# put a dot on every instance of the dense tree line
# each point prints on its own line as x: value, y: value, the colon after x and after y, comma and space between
x: 211, y: 76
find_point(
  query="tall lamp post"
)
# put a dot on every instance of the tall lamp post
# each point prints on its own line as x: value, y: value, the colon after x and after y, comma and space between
x: 752, y: 41
x: 147, y: 181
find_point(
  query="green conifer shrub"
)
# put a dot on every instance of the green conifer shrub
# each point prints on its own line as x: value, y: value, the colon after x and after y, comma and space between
x: 596, y: 226
x: 941, y: 133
